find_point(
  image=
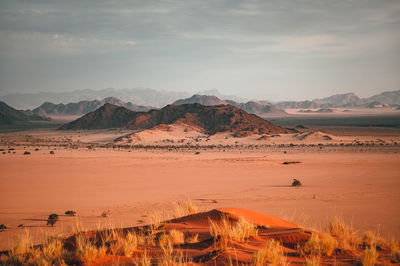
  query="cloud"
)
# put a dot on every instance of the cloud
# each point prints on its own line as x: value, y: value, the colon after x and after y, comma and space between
x: 43, y: 44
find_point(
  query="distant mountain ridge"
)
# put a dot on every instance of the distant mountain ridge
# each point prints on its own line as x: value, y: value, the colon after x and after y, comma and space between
x: 259, y: 108
x: 212, y: 119
x: 388, y: 98
x: 139, y: 96
x: 9, y: 115
x: 83, y: 107
x: 157, y: 98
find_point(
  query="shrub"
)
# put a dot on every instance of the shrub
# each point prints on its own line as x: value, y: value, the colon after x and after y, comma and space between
x: 51, y: 152
x: 27, y: 153
x: 70, y: 213
x: 53, y: 218
x: 3, y: 227
x: 296, y: 183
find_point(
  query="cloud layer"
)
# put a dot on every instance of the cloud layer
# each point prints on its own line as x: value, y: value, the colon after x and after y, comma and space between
x: 261, y: 49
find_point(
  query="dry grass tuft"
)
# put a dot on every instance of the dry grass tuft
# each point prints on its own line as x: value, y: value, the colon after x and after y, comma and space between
x: 346, y: 237
x: 272, y: 254
x: 225, y: 232
x: 86, y: 250
x: 192, y: 238
x: 369, y: 257
x: 316, y: 247
x: 184, y: 209
x: 177, y: 237
x: 369, y: 238
x: 395, y: 250
x: 124, y: 245
x: 313, y: 261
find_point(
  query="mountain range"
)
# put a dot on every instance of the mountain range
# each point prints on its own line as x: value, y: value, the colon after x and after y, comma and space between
x: 259, y: 108
x: 48, y: 109
x: 210, y: 119
x: 139, y: 96
x: 388, y: 98
x: 157, y: 98
x: 9, y: 115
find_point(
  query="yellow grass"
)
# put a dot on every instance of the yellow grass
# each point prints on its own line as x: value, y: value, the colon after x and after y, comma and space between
x: 177, y: 237
x: 192, y: 239
x: 313, y: 261
x: 86, y: 250
x: 224, y: 231
x: 346, y: 237
x: 272, y: 254
x: 369, y: 257
x: 184, y: 208
x: 395, y: 250
x: 317, y: 246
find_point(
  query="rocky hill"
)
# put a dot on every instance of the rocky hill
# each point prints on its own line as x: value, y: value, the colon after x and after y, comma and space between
x: 107, y: 116
x: 210, y: 119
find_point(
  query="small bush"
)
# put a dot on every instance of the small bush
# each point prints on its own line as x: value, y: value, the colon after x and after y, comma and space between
x: 27, y: 153
x: 51, y: 152
x: 3, y: 227
x: 70, y: 213
x: 53, y: 218
x: 296, y: 183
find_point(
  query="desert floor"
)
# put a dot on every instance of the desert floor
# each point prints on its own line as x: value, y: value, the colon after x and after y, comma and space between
x: 359, y: 182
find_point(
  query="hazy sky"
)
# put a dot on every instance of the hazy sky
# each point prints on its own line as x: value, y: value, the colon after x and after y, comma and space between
x: 258, y: 49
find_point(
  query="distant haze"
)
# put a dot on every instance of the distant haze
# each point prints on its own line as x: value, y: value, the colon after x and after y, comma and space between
x: 270, y: 50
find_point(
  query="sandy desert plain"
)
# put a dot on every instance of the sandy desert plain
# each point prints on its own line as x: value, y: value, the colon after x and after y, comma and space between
x: 346, y: 171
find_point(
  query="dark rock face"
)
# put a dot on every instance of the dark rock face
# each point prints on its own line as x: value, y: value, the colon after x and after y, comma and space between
x: 213, y: 119
x: 107, y: 116
x: 9, y: 115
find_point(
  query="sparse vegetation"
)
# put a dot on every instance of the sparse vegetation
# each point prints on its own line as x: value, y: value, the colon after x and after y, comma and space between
x: 272, y: 254
x: 2, y: 227
x: 369, y: 257
x: 346, y: 237
x: 27, y: 153
x: 296, y: 183
x: 162, y: 245
x: 224, y: 232
x: 52, y: 219
x: 318, y: 246
x: 70, y: 213
x: 395, y: 250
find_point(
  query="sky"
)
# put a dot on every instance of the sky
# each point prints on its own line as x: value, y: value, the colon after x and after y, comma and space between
x: 267, y: 49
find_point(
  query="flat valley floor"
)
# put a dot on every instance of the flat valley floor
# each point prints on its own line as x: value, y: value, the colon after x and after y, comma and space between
x: 360, y: 183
